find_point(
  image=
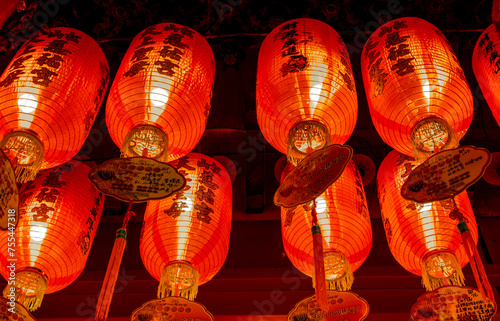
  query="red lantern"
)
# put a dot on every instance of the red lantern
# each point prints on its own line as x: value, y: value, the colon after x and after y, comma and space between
x: 417, y: 92
x: 486, y: 65
x: 59, y: 213
x: 306, y: 98
x: 185, y: 238
x: 422, y: 237
x: 160, y: 99
x: 49, y: 96
x: 345, y: 224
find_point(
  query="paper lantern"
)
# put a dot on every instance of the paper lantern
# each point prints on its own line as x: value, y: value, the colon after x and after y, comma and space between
x: 306, y: 97
x: 345, y: 224
x: 486, y: 65
x: 160, y: 99
x: 185, y: 238
x: 418, y: 96
x: 50, y: 94
x: 422, y: 237
x: 59, y: 214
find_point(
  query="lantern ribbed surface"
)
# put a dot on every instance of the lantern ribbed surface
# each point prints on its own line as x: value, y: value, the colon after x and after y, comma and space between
x: 59, y: 213
x: 486, y: 65
x: 304, y: 74
x: 414, y: 230
x: 194, y: 224
x: 165, y: 81
x: 52, y: 89
x: 411, y: 73
x: 344, y: 220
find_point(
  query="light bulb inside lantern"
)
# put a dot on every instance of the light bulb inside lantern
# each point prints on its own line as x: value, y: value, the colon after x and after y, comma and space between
x: 428, y: 226
x: 314, y: 94
x: 27, y: 103
x: 37, y: 233
x: 158, y: 97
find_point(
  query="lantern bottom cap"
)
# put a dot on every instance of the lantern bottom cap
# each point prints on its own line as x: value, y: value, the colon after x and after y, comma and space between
x: 339, y: 275
x: 305, y: 138
x: 441, y: 268
x: 430, y: 136
x: 146, y: 140
x: 26, y: 152
x: 30, y: 286
x: 179, y: 279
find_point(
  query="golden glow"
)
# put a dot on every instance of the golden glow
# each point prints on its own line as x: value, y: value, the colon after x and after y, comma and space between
x: 37, y: 233
x: 158, y: 98
x: 184, y: 224
x: 428, y: 226
x: 27, y: 103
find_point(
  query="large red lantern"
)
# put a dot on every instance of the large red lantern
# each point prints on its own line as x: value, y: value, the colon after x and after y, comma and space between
x: 50, y: 94
x: 185, y: 238
x: 486, y: 65
x: 160, y: 99
x: 422, y: 236
x: 59, y: 213
x: 345, y: 225
x: 306, y: 97
x: 419, y: 98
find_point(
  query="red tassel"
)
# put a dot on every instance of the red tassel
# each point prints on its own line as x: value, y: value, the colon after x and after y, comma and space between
x: 319, y: 264
x: 108, y: 286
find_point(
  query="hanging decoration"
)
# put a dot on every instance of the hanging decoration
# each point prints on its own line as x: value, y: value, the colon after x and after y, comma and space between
x: 9, y: 196
x: 418, y: 96
x: 306, y: 97
x: 58, y: 217
x: 185, y: 238
x: 486, y: 65
x: 445, y: 175
x: 11, y: 311
x: 50, y: 94
x: 453, y: 303
x: 172, y: 308
x: 312, y: 176
x: 342, y: 215
x: 160, y: 99
x: 342, y: 306
x: 423, y: 237
x: 137, y: 179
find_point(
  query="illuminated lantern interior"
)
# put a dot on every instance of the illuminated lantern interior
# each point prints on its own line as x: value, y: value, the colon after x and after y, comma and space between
x: 306, y: 97
x: 59, y: 214
x: 50, y: 94
x: 421, y: 236
x: 418, y: 96
x: 185, y: 237
x: 160, y: 99
x: 345, y: 224
x: 486, y: 65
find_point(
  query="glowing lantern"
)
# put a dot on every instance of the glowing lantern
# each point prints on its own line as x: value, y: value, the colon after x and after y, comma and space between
x: 422, y: 237
x: 59, y: 213
x: 160, y: 99
x: 185, y: 238
x: 306, y: 98
x: 49, y: 96
x: 345, y: 224
x: 417, y: 92
x: 486, y: 65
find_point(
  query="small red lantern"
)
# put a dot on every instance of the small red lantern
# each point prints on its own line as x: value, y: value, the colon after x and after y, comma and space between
x: 422, y: 236
x: 419, y: 98
x: 345, y: 224
x: 486, y: 65
x: 306, y: 97
x: 185, y: 238
x: 59, y: 214
x: 160, y: 99
x: 50, y: 94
